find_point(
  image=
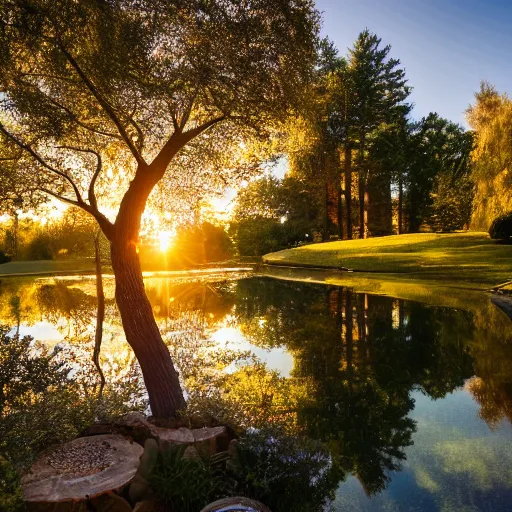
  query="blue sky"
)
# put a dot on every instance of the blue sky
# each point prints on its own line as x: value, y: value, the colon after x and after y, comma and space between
x: 446, y: 46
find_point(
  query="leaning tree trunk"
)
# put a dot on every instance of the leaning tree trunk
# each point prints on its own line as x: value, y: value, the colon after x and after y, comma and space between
x: 142, y: 333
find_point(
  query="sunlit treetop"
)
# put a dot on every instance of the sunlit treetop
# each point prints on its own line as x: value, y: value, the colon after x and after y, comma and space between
x: 106, y: 90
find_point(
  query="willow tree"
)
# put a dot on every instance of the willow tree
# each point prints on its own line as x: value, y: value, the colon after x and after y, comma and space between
x: 491, y: 119
x: 151, y: 90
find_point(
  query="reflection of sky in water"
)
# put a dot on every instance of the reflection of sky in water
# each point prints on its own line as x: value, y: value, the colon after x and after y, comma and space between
x: 42, y: 331
x: 275, y: 359
x: 457, y: 464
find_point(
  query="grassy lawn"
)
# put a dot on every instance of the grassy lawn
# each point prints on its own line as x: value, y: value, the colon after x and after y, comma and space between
x: 469, y: 260
x: 43, y: 267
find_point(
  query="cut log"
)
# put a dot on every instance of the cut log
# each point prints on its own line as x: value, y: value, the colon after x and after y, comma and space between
x: 82, y: 469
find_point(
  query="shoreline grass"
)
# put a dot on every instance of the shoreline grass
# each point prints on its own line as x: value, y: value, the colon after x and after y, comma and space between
x: 468, y: 260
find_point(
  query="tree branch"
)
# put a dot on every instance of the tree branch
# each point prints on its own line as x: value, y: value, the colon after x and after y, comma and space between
x: 60, y: 198
x: 39, y: 159
x: 99, y: 164
x: 92, y: 193
x: 107, y: 107
x: 106, y: 226
x: 69, y: 112
x: 176, y: 141
x: 194, y: 132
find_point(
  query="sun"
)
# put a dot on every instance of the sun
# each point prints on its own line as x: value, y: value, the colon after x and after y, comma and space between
x: 165, y: 239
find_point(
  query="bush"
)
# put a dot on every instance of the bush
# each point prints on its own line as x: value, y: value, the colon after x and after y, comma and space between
x: 258, y: 235
x: 4, y: 258
x: 40, y: 405
x: 501, y: 227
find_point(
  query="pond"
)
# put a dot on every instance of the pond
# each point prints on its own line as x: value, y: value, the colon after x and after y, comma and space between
x: 413, y: 400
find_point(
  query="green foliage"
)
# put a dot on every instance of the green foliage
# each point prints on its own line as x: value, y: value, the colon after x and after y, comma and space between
x: 501, y: 227
x: 452, y: 203
x: 217, y: 243
x: 40, y: 405
x: 273, y: 214
x: 4, y: 258
x: 10, y: 490
x: 259, y: 235
x: 39, y: 247
x: 189, y: 484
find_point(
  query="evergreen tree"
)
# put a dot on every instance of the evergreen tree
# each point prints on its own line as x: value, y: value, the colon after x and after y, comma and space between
x: 380, y: 90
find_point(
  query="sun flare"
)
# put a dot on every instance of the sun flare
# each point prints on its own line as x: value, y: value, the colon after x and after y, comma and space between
x: 165, y: 239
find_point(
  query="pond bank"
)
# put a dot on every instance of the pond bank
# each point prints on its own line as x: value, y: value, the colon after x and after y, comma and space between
x: 462, y: 260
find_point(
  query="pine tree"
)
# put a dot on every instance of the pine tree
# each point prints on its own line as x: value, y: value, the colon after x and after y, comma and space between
x: 380, y: 90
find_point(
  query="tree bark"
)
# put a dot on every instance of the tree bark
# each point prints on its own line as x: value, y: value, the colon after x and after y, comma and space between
x: 348, y: 189
x: 326, y: 213
x: 339, y: 193
x: 400, y: 206
x: 142, y: 333
x: 362, y: 187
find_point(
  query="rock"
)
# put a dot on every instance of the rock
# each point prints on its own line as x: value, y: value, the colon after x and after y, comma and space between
x: 139, y: 486
x: 83, y: 468
x: 135, y: 425
x: 244, y: 504
x: 149, y: 458
x: 133, y: 419
x: 504, y: 302
x: 209, y: 437
x: 208, y: 433
x: 177, y: 436
x: 63, y: 506
x: 139, y: 489
x: 110, y: 502
x: 150, y: 506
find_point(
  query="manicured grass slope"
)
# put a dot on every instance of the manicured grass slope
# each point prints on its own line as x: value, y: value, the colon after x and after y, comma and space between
x: 471, y: 258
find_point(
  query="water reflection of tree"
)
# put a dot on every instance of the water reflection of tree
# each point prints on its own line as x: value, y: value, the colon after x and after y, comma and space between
x: 361, y: 357
x: 357, y: 357
x: 492, y: 349
x: 60, y: 301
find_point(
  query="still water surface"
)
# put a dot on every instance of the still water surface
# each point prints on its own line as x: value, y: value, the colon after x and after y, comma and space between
x: 414, y: 400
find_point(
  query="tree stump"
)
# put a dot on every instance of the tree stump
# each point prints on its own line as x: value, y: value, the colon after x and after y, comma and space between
x: 82, y: 469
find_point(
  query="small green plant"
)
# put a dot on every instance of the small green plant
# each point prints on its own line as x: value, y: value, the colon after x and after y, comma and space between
x: 501, y: 227
x: 187, y: 484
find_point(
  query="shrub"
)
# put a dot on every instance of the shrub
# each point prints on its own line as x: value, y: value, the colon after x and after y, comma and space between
x: 4, y: 258
x: 189, y: 484
x: 501, y: 227
x: 258, y: 235
x: 40, y: 405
